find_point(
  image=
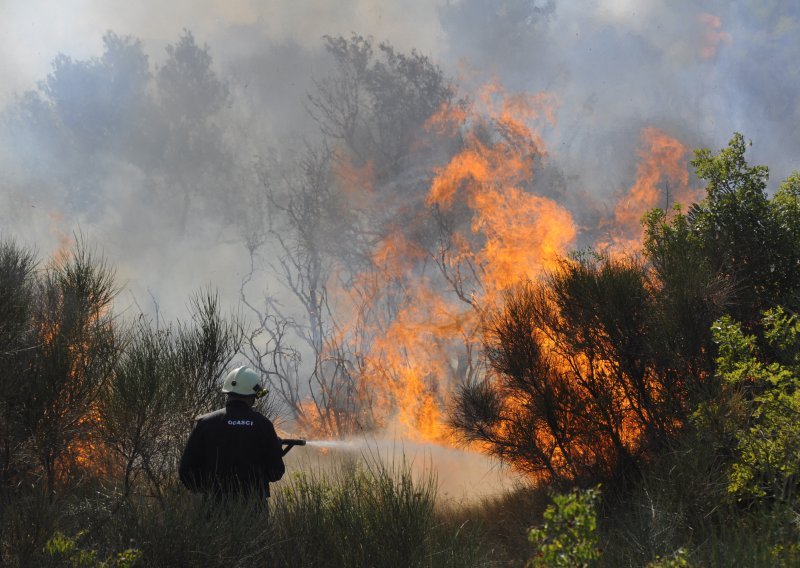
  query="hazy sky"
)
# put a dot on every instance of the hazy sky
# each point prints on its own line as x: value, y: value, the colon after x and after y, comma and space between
x: 709, y: 66
x: 32, y: 32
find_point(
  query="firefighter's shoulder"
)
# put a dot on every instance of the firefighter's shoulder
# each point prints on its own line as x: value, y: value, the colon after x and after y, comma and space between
x: 210, y: 415
x: 258, y: 420
x: 266, y: 426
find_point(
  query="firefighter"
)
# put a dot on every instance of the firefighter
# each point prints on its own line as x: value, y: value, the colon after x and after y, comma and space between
x: 233, y: 451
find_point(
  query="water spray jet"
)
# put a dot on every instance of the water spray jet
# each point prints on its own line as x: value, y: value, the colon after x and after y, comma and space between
x: 459, y: 473
x: 337, y: 444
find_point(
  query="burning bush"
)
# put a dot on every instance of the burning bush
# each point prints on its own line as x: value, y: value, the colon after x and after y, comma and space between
x: 600, y: 364
x: 579, y: 388
x: 64, y: 346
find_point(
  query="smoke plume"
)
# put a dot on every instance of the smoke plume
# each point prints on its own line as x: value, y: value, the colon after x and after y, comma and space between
x: 160, y: 130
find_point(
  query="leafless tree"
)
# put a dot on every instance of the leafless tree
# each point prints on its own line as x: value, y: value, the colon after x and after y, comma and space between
x: 309, y: 226
x: 326, y: 229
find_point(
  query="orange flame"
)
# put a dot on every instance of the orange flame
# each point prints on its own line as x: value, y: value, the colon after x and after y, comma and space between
x: 423, y: 325
x: 662, y: 169
x: 714, y: 36
x: 355, y: 181
x: 408, y: 364
x: 412, y: 364
x: 524, y: 232
x: 65, y: 242
x: 88, y: 452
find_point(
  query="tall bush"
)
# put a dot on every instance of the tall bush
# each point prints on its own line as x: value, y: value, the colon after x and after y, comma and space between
x: 601, y: 364
x: 65, y: 346
x: 165, y: 378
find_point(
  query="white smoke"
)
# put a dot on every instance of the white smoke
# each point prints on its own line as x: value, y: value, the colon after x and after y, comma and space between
x: 699, y: 70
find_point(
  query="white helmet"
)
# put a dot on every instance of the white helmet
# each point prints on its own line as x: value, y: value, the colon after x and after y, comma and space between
x: 244, y: 381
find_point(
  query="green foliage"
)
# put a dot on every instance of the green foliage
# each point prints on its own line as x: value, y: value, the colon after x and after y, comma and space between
x: 65, y: 551
x: 681, y: 501
x: 366, y: 514
x: 63, y: 548
x: 351, y: 514
x: 606, y: 359
x: 719, y: 408
x: 688, y: 297
x: 602, y: 348
x: 737, y: 251
x: 786, y: 210
x: 678, y: 559
x: 768, y: 453
x: 742, y: 234
x: 568, y: 538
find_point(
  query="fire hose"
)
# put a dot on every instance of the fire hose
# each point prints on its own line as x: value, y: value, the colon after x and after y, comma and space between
x: 291, y: 443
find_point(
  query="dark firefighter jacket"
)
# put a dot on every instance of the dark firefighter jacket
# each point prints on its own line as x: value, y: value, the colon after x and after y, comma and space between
x: 233, y: 450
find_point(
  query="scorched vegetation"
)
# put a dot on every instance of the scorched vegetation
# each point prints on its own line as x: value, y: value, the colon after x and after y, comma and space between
x: 645, y: 385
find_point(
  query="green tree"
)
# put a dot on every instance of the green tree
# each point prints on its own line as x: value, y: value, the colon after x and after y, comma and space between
x: 785, y: 206
x: 61, y: 550
x: 688, y: 296
x: 763, y: 380
x: 603, y: 362
x: 745, y: 236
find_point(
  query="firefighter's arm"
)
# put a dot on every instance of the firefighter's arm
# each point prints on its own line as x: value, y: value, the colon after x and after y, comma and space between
x: 190, y: 469
x: 274, y: 455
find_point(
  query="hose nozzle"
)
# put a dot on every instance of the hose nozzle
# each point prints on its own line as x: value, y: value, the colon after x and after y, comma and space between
x: 290, y: 443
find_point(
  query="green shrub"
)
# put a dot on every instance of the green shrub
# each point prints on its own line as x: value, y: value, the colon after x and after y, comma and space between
x: 351, y: 514
x: 62, y: 550
x: 569, y: 536
x: 766, y: 380
x: 678, y: 559
x: 366, y: 514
